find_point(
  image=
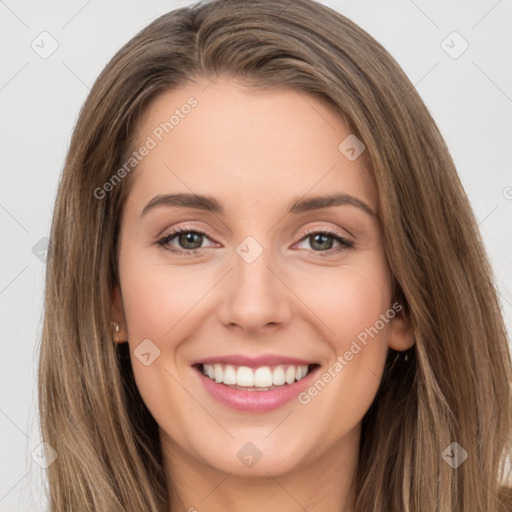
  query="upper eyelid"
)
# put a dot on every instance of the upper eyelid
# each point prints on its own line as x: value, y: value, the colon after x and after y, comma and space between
x: 319, y: 229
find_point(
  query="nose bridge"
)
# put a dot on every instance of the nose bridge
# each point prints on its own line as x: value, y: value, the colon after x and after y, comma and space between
x: 252, y: 262
x: 255, y: 297
x: 254, y: 280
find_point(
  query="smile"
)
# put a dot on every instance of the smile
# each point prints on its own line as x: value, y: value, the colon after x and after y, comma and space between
x: 254, y: 384
x: 263, y: 378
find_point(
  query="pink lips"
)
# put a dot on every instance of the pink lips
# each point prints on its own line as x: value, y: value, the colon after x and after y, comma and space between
x: 254, y: 401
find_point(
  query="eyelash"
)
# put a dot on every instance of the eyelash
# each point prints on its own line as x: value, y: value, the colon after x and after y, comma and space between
x: 164, y: 241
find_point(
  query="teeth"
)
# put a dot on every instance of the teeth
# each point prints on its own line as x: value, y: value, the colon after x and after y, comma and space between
x: 219, y: 374
x: 229, y: 375
x: 262, y: 377
x: 244, y: 376
x: 278, y: 376
x: 290, y: 374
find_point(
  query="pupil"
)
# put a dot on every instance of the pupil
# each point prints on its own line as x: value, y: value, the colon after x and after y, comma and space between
x: 189, y: 238
x: 321, y: 236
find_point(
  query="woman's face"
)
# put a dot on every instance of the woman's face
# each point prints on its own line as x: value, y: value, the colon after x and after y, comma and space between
x: 265, y: 281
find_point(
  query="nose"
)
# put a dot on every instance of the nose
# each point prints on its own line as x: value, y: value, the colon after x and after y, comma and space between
x: 254, y: 296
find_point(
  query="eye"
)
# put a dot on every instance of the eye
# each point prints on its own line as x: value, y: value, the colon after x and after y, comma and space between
x: 322, y: 241
x: 189, y: 240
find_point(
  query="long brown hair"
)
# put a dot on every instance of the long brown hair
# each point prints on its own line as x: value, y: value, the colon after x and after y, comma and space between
x: 455, y: 386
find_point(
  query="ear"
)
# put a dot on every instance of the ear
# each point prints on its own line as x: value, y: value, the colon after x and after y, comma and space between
x: 117, y: 315
x: 401, y: 333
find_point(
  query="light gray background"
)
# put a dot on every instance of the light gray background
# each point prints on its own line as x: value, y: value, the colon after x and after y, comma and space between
x: 470, y: 98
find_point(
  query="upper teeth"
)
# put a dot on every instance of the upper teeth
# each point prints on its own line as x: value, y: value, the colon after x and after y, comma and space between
x: 262, y: 377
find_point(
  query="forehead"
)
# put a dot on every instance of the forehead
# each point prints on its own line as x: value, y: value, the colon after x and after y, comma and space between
x: 246, y: 146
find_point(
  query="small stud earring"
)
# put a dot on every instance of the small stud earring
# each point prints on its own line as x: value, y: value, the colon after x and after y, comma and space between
x: 115, y: 328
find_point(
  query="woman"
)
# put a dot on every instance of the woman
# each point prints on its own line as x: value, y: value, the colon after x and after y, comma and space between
x: 202, y: 348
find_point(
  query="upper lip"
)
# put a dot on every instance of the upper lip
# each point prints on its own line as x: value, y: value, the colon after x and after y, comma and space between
x: 253, y: 362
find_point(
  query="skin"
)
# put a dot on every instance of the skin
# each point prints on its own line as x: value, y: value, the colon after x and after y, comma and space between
x: 254, y: 151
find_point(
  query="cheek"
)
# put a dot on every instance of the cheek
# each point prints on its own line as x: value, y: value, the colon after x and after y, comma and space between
x: 161, y: 304
x: 157, y: 299
x: 348, y: 300
x: 354, y: 314
x: 358, y: 312
x: 156, y: 302
x: 358, y: 304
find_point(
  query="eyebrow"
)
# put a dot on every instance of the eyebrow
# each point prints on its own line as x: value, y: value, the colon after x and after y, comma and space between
x: 211, y: 204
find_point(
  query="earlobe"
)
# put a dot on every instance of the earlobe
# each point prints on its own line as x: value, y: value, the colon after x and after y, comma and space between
x: 401, y: 334
x: 118, y: 320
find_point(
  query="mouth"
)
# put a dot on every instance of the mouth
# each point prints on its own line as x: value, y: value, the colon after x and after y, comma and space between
x: 255, y: 388
x: 262, y: 378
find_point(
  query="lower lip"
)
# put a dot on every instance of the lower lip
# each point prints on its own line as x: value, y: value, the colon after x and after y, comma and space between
x: 255, y: 401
